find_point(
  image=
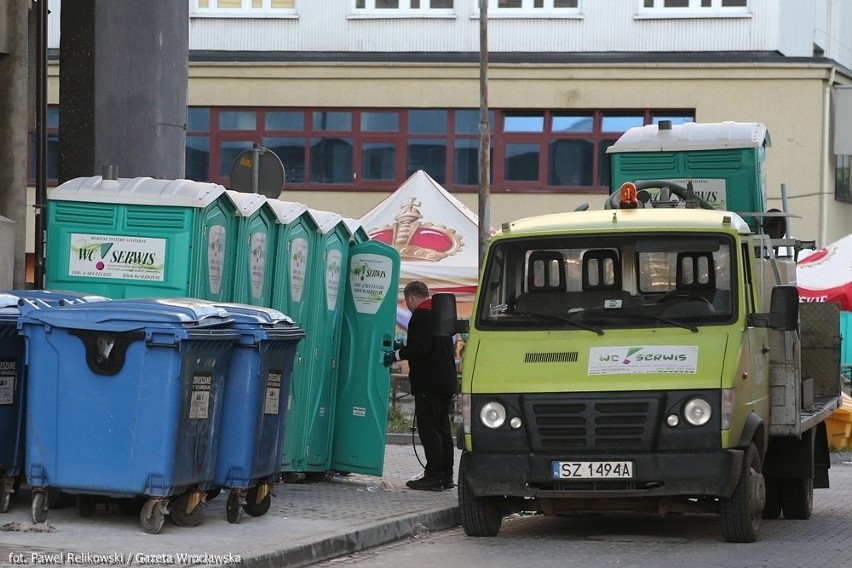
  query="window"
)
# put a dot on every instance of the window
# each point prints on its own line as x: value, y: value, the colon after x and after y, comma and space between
x: 843, y: 178
x: 694, y: 8
x: 403, y: 8
x: 378, y: 148
x: 243, y: 8
x: 531, y: 8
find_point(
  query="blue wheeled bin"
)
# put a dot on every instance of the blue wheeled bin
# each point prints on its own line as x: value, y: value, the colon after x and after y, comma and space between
x: 12, y: 397
x: 124, y: 401
x: 254, y: 407
x: 55, y: 297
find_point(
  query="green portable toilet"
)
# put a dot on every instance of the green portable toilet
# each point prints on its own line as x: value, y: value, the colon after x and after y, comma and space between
x: 295, y: 238
x: 357, y: 230
x: 363, y: 382
x: 725, y: 160
x: 136, y: 237
x: 307, y: 447
x: 254, y: 249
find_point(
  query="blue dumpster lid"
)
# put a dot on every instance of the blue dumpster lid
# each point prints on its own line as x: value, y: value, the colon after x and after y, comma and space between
x: 56, y: 297
x: 130, y: 314
x: 8, y: 306
x: 258, y: 323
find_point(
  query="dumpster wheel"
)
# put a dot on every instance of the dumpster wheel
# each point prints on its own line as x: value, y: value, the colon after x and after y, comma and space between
x: 258, y: 500
x: 234, y: 506
x: 5, y: 500
x: 39, y: 506
x: 152, y: 516
x: 186, y: 509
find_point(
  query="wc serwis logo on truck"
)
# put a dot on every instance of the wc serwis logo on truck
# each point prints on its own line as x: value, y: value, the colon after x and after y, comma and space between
x: 634, y: 360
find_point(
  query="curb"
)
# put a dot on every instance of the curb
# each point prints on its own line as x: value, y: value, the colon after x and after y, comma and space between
x: 383, y: 532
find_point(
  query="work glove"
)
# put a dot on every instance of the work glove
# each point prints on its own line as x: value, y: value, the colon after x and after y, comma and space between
x: 389, y: 359
x: 398, y: 344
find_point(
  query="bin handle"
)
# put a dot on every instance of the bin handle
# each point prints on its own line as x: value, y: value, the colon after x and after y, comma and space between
x: 106, y: 351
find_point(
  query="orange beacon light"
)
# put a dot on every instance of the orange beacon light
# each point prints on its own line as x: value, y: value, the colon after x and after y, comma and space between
x: 628, y: 198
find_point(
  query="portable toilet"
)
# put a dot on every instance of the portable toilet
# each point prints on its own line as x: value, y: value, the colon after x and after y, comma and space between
x: 357, y: 230
x: 135, y: 237
x: 295, y: 239
x: 307, y: 445
x: 724, y: 160
x: 254, y: 249
x: 363, y: 382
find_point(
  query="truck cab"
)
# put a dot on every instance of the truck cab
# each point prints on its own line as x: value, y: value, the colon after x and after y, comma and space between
x: 647, y: 357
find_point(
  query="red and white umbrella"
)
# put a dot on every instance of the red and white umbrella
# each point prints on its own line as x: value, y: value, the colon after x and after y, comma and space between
x: 826, y: 275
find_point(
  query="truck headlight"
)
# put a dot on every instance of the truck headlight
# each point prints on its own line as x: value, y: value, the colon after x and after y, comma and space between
x: 697, y: 411
x: 493, y: 415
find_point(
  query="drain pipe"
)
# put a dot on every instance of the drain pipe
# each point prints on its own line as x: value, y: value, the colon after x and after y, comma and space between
x: 825, y: 194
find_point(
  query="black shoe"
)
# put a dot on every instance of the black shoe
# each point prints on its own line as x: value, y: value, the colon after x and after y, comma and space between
x: 447, y: 483
x: 425, y: 484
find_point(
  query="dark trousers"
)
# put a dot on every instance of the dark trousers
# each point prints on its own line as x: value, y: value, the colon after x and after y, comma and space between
x: 432, y: 412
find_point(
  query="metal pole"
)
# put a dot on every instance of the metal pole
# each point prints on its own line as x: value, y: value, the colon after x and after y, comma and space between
x: 484, y: 133
x: 41, y: 146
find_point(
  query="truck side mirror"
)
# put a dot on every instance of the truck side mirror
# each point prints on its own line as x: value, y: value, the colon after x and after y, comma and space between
x: 445, y: 316
x: 783, y: 310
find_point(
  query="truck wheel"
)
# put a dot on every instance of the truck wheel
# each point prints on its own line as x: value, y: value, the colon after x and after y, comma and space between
x: 797, y: 498
x: 479, y: 515
x: 741, y: 512
x: 772, y: 509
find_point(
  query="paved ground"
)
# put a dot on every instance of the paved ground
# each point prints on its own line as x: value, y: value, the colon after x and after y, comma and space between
x: 307, y: 523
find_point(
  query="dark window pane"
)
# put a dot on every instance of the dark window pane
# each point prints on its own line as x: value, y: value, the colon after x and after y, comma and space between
x: 604, y: 160
x: 523, y: 123
x: 649, y: 3
x: 387, y: 4
x: 331, y: 160
x: 427, y: 122
x: 228, y: 152
x: 198, y: 119
x: 378, y: 160
x: 564, y: 3
x: 466, y: 157
x: 621, y: 123
x: 292, y: 154
x: 53, y: 117
x: 676, y: 3
x: 285, y: 120
x: 359, y: 4
x: 238, y: 120
x: 379, y: 122
x: 522, y: 162
x: 429, y: 155
x: 467, y: 121
x: 415, y: 4
x: 734, y: 3
x: 441, y: 4
x: 340, y: 121
x: 197, y: 158
x: 570, y: 162
x: 538, y: 4
x: 572, y: 123
x: 509, y: 3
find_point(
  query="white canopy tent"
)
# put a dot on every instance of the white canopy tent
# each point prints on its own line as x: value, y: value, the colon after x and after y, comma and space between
x: 436, y: 236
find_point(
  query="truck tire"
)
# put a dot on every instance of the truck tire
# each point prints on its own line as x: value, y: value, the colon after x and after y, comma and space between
x: 742, y: 511
x: 479, y: 515
x: 772, y: 508
x: 797, y: 498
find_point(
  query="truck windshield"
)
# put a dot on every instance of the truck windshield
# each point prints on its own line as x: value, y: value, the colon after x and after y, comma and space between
x: 599, y: 282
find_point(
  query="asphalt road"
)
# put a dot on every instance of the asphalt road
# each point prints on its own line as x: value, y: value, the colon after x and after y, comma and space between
x: 681, y: 541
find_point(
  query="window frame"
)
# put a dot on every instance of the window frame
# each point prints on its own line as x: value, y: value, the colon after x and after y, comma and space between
x: 369, y: 11
x: 695, y: 10
x: 246, y: 10
x: 529, y: 11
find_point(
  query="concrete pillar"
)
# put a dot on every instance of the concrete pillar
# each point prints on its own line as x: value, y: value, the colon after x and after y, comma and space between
x: 122, y: 87
x: 14, y: 100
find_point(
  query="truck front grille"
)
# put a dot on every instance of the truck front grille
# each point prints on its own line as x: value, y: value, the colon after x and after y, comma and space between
x: 596, y: 424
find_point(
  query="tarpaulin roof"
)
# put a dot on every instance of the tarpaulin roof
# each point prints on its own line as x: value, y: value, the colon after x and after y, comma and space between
x: 436, y: 235
x: 826, y: 275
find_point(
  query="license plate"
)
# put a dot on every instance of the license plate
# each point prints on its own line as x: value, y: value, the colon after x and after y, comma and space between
x: 592, y: 470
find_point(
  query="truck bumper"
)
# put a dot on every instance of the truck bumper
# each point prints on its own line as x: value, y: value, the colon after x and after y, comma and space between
x: 663, y: 474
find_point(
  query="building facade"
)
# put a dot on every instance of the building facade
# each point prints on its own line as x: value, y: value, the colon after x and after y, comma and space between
x: 356, y: 95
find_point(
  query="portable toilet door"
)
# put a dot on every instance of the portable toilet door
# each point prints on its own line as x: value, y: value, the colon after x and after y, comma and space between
x: 295, y: 236
x: 322, y: 333
x: 363, y: 382
x: 136, y: 237
x: 254, y: 249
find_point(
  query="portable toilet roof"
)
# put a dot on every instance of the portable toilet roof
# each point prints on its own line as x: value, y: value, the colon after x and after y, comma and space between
x: 328, y: 220
x: 287, y: 211
x: 692, y: 136
x: 247, y: 204
x: 138, y: 191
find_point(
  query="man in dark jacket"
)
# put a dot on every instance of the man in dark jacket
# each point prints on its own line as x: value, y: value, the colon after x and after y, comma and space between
x: 432, y: 373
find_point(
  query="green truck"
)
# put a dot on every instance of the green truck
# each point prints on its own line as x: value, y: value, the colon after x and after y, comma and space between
x: 649, y: 357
